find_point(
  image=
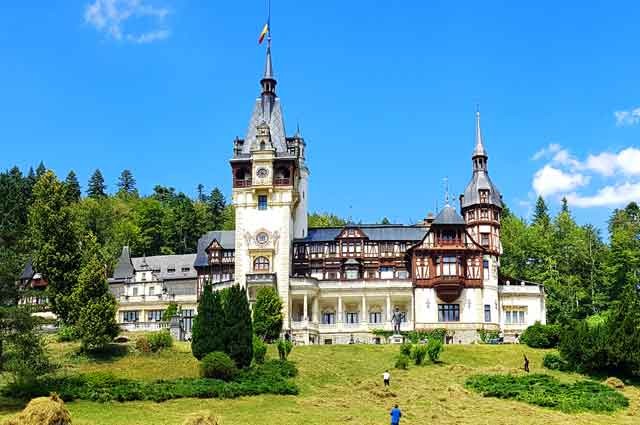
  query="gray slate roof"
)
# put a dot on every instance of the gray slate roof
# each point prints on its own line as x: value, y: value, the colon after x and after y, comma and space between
x: 166, y: 262
x: 449, y: 215
x: 226, y: 238
x: 373, y: 231
x: 27, y: 273
x: 267, y: 109
x: 480, y: 181
x: 124, y: 267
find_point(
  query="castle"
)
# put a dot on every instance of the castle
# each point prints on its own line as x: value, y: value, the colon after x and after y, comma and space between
x: 338, y: 285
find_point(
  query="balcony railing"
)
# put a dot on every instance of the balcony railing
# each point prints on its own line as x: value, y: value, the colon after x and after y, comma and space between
x: 282, y: 181
x: 450, y: 242
x: 261, y: 278
x: 143, y: 326
x: 241, y: 182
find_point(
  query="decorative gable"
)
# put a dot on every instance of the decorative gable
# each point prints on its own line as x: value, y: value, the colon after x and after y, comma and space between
x: 352, y: 233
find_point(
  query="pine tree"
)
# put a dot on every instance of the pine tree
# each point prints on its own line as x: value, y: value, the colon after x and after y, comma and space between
x: 93, y: 311
x: 208, y: 332
x: 541, y: 213
x: 385, y: 220
x: 127, y: 183
x: 54, y: 239
x: 40, y: 170
x: 72, y: 187
x: 217, y: 206
x: 565, y: 205
x: 238, y: 327
x: 267, y: 314
x: 96, y: 188
x: 201, y: 196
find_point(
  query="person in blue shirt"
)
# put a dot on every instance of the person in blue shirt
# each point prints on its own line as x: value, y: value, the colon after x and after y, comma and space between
x: 396, y: 414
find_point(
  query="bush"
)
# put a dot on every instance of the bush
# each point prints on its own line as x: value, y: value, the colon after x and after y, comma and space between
x: 486, y: 336
x: 434, y: 348
x: 259, y: 350
x: 402, y: 362
x: 405, y: 349
x: 142, y: 344
x: 160, y: 340
x: 284, y: 348
x: 585, y: 348
x: 555, y: 362
x: 546, y: 391
x: 418, y: 353
x: 66, y: 333
x: 271, y: 378
x: 26, y: 358
x: 172, y: 310
x: 208, y: 333
x: 218, y: 365
x: 43, y: 411
x: 541, y: 336
x: 201, y: 420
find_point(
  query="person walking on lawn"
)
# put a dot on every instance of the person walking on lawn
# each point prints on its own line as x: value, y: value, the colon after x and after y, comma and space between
x: 386, y: 376
x: 396, y: 414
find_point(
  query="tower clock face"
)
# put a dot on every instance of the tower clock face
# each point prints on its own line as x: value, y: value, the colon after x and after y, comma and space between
x: 262, y: 238
x: 262, y: 172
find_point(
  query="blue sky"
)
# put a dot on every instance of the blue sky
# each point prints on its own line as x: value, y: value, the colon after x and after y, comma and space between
x: 384, y: 92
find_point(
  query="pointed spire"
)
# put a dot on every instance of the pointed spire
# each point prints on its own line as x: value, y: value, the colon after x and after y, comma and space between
x: 268, y: 81
x: 268, y: 67
x: 479, y: 149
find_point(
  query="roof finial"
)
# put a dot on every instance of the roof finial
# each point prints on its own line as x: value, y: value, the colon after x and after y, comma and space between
x: 479, y: 148
x: 446, y: 191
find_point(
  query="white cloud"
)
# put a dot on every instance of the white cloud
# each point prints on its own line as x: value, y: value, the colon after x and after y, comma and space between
x: 550, y: 180
x: 626, y: 162
x: 608, y: 196
x: 547, y: 151
x: 145, y: 23
x: 630, y: 117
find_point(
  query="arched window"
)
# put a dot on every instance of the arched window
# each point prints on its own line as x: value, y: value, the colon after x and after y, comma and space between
x: 261, y: 264
x: 262, y: 146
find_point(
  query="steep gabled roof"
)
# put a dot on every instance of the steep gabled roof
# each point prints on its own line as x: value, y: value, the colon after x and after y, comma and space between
x: 449, y: 215
x: 374, y: 232
x: 226, y: 239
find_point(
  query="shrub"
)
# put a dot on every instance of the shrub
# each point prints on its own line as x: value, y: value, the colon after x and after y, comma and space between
x: 422, y: 335
x: 418, y: 353
x: 142, y: 344
x: 284, y: 348
x: 66, y: 333
x: 405, y: 349
x: 267, y: 314
x: 160, y: 340
x: 546, y: 391
x: 259, y: 350
x: 238, y: 326
x: 27, y: 358
x: 584, y: 347
x: 201, y: 420
x: 218, y: 365
x: 486, y: 336
x: 270, y: 378
x: 172, y: 310
x: 43, y: 411
x: 208, y: 333
x: 541, y: 336
x: 555, y: 362
x: 434, y: 348
x: 402, y: 362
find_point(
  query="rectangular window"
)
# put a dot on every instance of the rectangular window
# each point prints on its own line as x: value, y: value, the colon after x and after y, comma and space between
x: 151, y: 290
x: 351, y: 274
x: 448, y: 312
x: 484, y: 213
x: 485, y: 269
x: 185, y: 269
x: 328, y: 318
x: 262, y: 202
x: 386, y: 272
x: 487, y: 313
x: 375, y: 317
x: 171, y: 269
x: 516, y: 316
x: 351, y: 317
x: 130, y: 316
x: 154, y: 315
x: 135, y: 291
x: 449, y: 266
x: 484, y: 239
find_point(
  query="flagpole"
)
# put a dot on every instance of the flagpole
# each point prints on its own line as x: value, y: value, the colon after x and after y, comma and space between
x: 269, y: 23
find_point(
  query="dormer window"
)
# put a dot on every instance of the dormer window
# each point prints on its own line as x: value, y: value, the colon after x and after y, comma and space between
x: 262, y: 146
x: 484, y: 196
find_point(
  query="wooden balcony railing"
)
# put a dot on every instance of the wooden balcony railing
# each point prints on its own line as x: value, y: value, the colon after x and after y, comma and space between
x: 241, y: 182
x: 282, y: 181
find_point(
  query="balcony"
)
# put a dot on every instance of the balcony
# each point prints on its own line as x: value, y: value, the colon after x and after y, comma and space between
x: 261, y: 278
x: 143, y: 326
x: 448, y: 288
x: 241, y: 182
x: 282, y: 181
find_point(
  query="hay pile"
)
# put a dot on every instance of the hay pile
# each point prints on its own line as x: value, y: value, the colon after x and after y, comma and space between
x: 201, y: 420
x: 613, y: 382
x: 43, y: 411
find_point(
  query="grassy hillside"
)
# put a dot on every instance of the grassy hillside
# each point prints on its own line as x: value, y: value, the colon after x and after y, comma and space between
x: 339, y: 384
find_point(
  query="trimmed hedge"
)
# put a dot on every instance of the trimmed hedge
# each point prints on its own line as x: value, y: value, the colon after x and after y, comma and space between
x: 546, y: 391
x: 555, y: 362
x: 271, y: 378
x: 541, y: 336
x: 218, y: 365
x: 402, y: 362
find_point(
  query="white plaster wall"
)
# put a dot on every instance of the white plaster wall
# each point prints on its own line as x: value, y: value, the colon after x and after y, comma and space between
x: 424, y: 313
x: 300, y: 218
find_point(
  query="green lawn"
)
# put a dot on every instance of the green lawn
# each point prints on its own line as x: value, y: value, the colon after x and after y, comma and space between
x: 339, y: 385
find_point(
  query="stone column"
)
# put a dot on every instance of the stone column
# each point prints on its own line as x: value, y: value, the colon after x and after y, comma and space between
x: 304, y: 309
x: 365, y: 318
x: 388, y: 308
x: 316, y: 308
x: 339, y: 310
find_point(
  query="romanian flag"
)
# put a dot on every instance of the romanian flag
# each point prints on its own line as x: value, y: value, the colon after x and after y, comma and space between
x: 264, y: 32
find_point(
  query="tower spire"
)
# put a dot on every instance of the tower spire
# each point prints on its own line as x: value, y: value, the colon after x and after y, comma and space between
x: 479, y: 156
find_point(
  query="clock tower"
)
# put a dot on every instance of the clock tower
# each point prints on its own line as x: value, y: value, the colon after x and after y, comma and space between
x: 269, y: 195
